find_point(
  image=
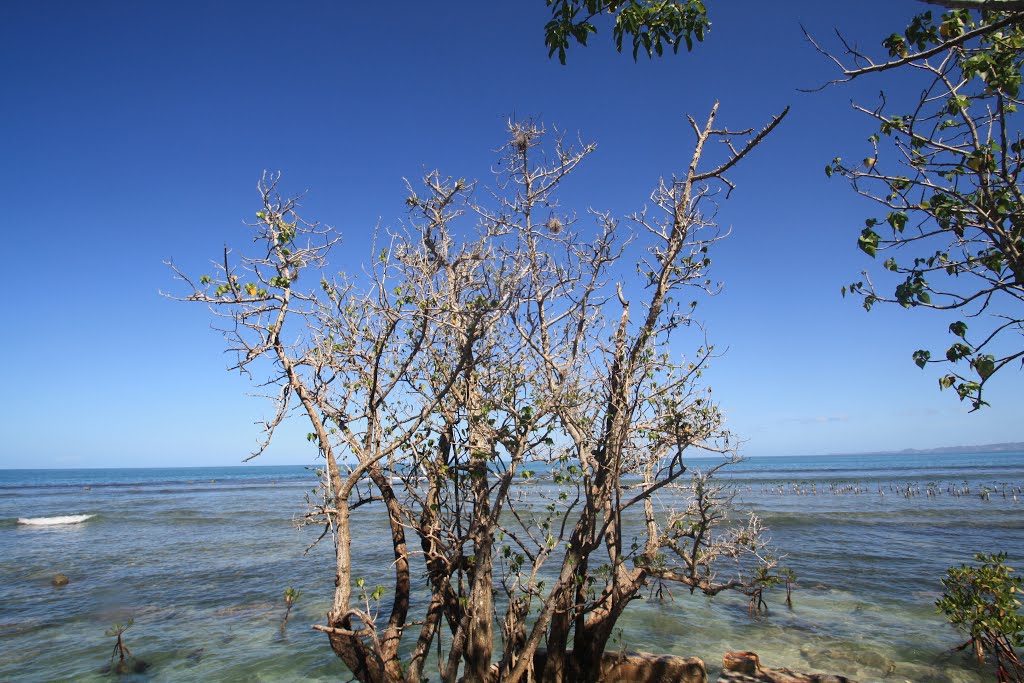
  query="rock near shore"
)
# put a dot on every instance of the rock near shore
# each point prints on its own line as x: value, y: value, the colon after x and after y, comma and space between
x: 745, y: 667
x: 737, y: 667
x: 641, y: 667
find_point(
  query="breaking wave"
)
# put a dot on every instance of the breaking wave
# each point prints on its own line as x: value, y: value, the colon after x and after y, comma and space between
x: 50, y: 521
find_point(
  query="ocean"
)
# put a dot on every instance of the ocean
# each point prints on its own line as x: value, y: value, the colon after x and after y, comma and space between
x: 199, y: 558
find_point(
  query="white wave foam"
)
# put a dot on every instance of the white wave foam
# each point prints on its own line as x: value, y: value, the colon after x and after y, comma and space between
x: 50, y: 521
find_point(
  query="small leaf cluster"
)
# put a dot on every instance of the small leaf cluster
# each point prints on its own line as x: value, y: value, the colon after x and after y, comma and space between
x: 375, y: 595
x: 651, y: 25
x: 117, y: 629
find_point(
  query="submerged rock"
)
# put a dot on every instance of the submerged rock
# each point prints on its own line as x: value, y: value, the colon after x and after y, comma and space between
x: 844, y: 658
x: 264, y: 609
x: 129, y: 665
x: 905, y: 672
x: 745, y: 667
x: 60, y: 580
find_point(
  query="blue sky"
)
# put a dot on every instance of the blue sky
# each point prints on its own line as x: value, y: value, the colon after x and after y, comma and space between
x: 133, y: 133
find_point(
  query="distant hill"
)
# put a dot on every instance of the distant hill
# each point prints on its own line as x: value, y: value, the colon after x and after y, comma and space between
x: 1011, y: 447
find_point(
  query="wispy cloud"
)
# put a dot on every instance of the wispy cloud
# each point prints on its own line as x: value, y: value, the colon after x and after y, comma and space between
x: 817, y: 419
x: 925, y: 412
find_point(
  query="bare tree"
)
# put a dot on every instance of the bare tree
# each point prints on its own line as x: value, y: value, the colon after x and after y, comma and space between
x: 504, y: 387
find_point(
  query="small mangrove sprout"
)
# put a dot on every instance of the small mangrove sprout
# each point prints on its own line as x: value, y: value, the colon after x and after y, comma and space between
x: 982, y: 602
x: 121, y: 651
x: 126, y: 663
x: 789, y: 578
x: 763, y: 579
x: 290, y: 596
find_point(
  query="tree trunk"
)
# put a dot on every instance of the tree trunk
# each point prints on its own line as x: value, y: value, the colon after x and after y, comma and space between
x: 592, y: 637
x: 558, y: 639
x: 589, y: 647
x: 392, y: 635
x: 349, y: 648
x: 480, y: 638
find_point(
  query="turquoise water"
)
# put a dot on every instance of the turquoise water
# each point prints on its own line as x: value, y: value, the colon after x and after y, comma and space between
x: 200, y: 557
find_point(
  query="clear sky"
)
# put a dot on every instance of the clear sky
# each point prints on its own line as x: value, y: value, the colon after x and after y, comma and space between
x: 132, y: 133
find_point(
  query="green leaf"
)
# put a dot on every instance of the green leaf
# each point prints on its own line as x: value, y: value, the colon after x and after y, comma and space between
x: 965, y: 389
x: 985, y: 366
x: 959, y: 328
x: 957, y: 104
x: 868, y: 241
x: 921, y: 357
x: 897, y: 219
x: 957, y: 351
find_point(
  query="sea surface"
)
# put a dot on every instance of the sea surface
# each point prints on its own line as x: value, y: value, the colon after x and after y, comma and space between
x: 199, y: 558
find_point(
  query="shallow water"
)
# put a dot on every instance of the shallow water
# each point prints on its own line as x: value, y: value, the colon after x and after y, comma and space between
x: 200, y: 559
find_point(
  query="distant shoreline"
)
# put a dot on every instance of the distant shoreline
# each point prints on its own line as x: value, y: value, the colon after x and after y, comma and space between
x: 993, y: 448
x: 1008, y: 447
